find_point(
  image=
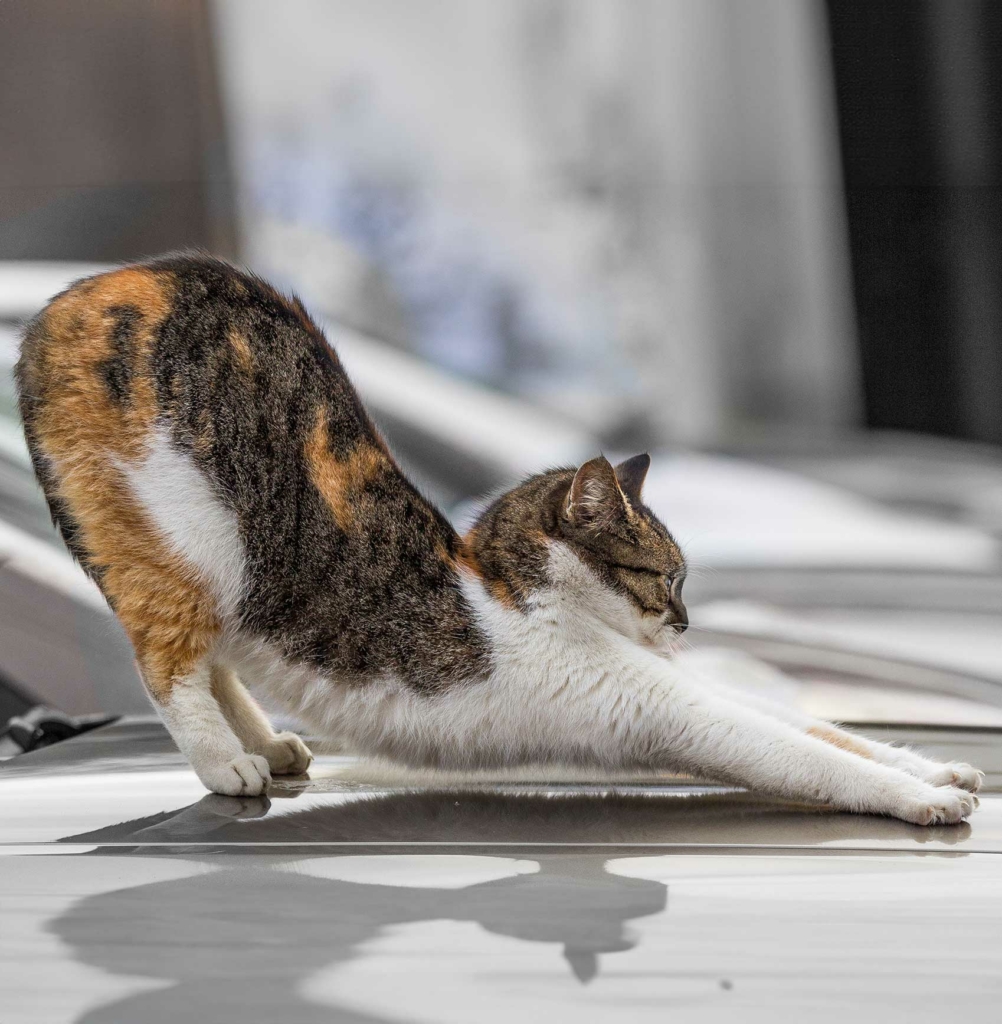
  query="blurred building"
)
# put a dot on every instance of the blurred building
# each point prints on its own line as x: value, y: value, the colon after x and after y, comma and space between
x: 630, y: 212
x: 671, y: 221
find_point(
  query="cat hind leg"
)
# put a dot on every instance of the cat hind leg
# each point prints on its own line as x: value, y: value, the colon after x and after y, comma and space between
x: 285, y: 752
x: 202, y: 733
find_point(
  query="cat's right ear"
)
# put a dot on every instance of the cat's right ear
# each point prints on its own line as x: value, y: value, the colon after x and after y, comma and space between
x: 595, y: 499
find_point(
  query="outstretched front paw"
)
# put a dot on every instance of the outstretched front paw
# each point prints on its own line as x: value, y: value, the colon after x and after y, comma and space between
x: 935, y: 805
x: 287, y: 754
x: 963, y: 776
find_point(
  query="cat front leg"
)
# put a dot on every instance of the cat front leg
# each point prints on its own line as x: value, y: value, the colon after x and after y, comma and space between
x: 730, y: 673
x: 712, y: 736
x: 602, y: 702
x: 958, y: 773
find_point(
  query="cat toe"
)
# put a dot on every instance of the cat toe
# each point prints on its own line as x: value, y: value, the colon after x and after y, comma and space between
x: 287, y: 754
x: 246, y: 775
x: 936, y: 805
x: 962, y: 776
x: 967, y: 777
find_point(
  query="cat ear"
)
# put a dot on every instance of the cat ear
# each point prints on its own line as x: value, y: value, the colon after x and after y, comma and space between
x: 631, y: 475
x: 595, y: 499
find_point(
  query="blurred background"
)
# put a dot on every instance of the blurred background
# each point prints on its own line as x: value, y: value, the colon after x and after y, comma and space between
x: 759, y: 239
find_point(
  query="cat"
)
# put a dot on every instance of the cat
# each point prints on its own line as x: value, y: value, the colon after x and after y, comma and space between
x: 212, y: 469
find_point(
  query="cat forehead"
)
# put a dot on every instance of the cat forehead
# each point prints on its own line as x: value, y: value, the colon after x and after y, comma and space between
x: 650, y: 544
x: 655, y: 537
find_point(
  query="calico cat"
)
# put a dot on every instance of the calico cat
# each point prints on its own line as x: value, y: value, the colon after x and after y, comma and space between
x: 210, y: 466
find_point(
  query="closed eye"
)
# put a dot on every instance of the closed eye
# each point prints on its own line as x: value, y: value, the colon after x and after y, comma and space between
x: 643, y: 571
x: 640, y: 569
x: 650, y: 609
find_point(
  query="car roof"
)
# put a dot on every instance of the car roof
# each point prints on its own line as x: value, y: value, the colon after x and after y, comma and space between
x: 369, y: 893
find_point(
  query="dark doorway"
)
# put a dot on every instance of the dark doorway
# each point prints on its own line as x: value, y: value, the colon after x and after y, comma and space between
x: 919, y: 94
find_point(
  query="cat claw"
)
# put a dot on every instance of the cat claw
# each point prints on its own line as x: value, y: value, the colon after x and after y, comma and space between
x: 967, y: 777
x: 940, y: 805
x: 962, y: 776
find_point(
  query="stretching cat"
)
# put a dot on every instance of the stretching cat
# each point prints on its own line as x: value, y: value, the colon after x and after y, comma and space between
x: 211, y: 467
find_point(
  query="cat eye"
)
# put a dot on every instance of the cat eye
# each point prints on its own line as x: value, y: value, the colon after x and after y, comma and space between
x: 641, y: 570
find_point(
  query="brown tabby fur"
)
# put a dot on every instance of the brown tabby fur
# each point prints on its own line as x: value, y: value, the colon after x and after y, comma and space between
x: 348, y: 568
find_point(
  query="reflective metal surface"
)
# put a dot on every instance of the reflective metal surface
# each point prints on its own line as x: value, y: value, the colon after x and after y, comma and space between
x: 367, y: 893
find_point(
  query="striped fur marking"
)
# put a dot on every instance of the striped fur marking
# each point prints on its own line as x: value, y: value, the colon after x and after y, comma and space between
x: 342, y: 482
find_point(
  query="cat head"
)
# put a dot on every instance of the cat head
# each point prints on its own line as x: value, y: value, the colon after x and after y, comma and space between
x: 606, y: 525
x: 588, y: 533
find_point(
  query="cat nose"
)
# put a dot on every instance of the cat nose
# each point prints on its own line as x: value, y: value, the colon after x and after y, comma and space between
x: 681, y: 617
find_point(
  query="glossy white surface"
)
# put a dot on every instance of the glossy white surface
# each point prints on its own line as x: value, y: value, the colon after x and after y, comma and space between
x: 570, y: 936
x: 370, y: 894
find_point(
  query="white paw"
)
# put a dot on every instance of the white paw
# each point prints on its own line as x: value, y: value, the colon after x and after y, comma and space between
x: 246, y: 775
x: 934, y: 805
x: 287, y: 754
x: 963, y: 776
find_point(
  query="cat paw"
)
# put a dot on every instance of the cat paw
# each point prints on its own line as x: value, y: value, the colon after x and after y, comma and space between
x: 246, y: 775
x: 960, y: 775
x: 963, y: 776
x: 935, y: 805
x: 287, y: 754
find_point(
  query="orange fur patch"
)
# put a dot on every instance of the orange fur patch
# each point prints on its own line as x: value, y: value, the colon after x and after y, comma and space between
x: 341, y: 482
x: 241, y: 349
x: 466, y: 558
x: 466, y: 555
x: 840, y: 739
x: 502, y: 593
x: 168, y: 614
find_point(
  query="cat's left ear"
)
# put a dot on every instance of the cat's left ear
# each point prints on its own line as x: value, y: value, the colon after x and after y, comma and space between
x: 631, y: 475
x: 595, y: 499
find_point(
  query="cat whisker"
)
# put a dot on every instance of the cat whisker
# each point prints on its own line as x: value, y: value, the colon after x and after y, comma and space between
x: 701, y: 569
x: 703, y: 629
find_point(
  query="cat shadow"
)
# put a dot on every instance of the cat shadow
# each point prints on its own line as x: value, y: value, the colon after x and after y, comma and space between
x: 238, y: 943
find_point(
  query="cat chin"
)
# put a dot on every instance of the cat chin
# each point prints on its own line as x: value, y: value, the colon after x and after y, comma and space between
x: 658, y: 645
x: 663, y: 644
